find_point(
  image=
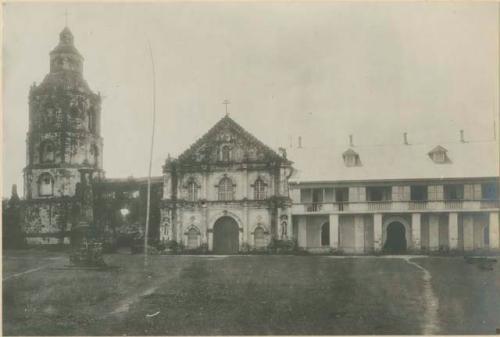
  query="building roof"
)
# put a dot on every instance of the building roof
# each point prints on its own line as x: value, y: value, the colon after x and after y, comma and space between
x: 66, y: 43
x: 131, y: 180
x: 227, y: 123
x: 395, y: 162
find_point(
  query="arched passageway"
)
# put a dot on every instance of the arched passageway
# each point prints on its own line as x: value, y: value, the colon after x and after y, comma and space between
x: 395, y: 238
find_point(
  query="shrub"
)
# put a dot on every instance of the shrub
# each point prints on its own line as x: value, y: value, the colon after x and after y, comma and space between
x: 283, y: 246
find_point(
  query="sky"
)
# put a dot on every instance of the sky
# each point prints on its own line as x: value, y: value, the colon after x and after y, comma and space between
x: 317, y: 70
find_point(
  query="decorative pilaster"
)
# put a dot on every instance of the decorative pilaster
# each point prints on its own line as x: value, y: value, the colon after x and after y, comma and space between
x: 415, y: 231
x: 494, y: 231
x: 377, y: 232
x: 359, y: 234
x: 453, y: 230
x: 334, y: 231
x: 468, y: 224
x: 302, y: 232
x: 433, y: 231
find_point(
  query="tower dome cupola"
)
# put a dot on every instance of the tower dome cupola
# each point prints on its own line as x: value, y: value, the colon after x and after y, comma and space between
x: 65, y: 57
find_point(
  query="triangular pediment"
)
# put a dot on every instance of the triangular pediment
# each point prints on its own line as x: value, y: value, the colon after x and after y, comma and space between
x: 227, y: 135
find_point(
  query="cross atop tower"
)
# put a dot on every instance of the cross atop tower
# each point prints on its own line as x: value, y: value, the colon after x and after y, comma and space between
x: 66, y: 18
x: 226, y: 103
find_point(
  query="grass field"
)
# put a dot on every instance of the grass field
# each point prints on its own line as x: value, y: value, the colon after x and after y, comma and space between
x: 242, y: 295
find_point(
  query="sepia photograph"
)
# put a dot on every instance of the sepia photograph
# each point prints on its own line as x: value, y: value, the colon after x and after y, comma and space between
x: 201, y: 168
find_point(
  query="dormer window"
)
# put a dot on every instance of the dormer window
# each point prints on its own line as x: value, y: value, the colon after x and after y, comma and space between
x: 351, y: 158
x: 438, y: 155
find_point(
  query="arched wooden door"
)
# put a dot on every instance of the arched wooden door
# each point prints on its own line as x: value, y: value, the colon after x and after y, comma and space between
x: 226, y: 236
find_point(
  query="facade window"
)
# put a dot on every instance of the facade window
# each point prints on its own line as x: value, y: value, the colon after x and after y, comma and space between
x: 225, y: 153
x: 357, y: 194
x: 192, y: 238
x: 47, y: 152
x: 399, y: 193
x: 226, y: 189
x: 472, y: 192
x: 378, y: 193
x: 259, y: 237
x: 342, y: 194
x: 454, y: 192
x: 192, y: 191
x: 489, y: 191
x: 259, y: 190
x: 435, y: 192
x: 45, y: 185
x: 325, y: 234
x: 305, y: 195
x: 418, y: 193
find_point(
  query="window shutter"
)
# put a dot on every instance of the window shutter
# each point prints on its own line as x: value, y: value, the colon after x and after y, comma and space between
x: 431, y: 192
x: 353, y: 194
x: 362, y: 194
x: 406, y: 193
x: 468, y: 192
x: 395, y: 193
x: 439, y: 192
x: 477, y: 192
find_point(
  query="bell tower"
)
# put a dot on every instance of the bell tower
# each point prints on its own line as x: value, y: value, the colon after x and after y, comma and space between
x: 64, y: 136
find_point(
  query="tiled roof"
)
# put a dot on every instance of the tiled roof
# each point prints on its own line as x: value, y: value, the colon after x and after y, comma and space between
x: 395, y: 162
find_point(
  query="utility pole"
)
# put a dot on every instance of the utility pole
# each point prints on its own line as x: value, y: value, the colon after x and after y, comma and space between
x: 148, y: 203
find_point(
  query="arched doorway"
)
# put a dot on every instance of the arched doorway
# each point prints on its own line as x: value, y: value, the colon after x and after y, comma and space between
x: 226, y: 236
x: 396, y: 238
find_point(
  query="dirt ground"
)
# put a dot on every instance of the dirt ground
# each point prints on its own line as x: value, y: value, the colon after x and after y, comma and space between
x: 248, y: 295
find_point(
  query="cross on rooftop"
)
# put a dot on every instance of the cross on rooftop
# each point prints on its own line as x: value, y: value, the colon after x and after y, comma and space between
x: 226, y: 103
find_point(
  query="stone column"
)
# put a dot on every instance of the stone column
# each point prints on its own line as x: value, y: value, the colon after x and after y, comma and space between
x: 468, y: 224
x: 453, y: 230
x: 494, y: 231
x: 246, y: 187
x: 334, y: 231
x: 210, y: 239
x: 302, y: 232
x: 246, y: 225
x: 415, y: 231
x: 377, y: 232
x: 359, y: 234
x: 433, y: 231
x: 289, y: 230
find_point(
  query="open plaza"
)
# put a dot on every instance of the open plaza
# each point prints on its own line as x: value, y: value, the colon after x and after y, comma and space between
x: 248, y: 295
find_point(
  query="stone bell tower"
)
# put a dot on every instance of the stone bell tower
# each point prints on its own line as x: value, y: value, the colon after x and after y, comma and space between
x: 64, y: 137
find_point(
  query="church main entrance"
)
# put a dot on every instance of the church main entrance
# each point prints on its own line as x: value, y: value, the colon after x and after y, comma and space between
x: 396, y: 238
x: 226, y: 236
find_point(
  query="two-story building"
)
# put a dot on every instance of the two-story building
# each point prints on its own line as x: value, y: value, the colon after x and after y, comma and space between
x: 408, y: 197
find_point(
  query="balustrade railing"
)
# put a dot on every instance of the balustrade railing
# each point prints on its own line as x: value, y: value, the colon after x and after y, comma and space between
x: 395, y: 206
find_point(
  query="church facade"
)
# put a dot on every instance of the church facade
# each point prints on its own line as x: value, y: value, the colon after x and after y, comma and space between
x: 227, y: 192
x: 230, y: 193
